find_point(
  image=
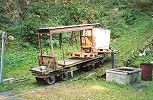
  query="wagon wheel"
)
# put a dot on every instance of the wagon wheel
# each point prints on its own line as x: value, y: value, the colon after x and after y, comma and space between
x: 91, y: 67
x: 41, y: 80
x: 97, y: 65
x: 64, y: 76
x: 102, y: 61
x: 50, y: 80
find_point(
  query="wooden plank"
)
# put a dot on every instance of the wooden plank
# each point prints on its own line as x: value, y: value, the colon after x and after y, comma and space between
x: 37, y: 69
x: 75, y: 29
x: 69, y: 62
x: 66, y: 27
x: 37, y: 72
x: 82, y: 55
x: 72, y: 39
x: 75, y: 61
x: 104, y: 50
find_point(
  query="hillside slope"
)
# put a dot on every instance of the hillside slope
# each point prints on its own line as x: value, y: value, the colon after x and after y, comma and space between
x: 131, y: 31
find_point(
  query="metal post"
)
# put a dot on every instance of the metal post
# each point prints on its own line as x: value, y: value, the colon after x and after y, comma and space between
x: 2, y: 56
x: 113, y: 60
x: 60, y: 40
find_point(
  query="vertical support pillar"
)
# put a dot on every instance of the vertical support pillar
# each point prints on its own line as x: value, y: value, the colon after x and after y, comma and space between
x: 113, y: 59
x: 51, y: 45
x: 92, y: 40
x: 60, y: 40
x: 72, y: 39
x: 2, y: 56
x: 40, y: 48
x: 85, y: 37
x: 80, y: 35
x: 63, y: 57
x: 52, y: 53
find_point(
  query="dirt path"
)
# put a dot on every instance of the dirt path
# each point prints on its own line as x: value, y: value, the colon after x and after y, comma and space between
x: 65, y: 92
x: 7, y: 95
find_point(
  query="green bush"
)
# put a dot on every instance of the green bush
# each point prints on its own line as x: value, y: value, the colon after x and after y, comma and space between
x: 129, y: 17
x: 115, y: 15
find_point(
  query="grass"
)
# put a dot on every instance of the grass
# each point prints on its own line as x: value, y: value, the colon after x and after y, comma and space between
x: 130, y: 44
x: 90, y: 89
x: 132, y: 38
x: 20, y: 60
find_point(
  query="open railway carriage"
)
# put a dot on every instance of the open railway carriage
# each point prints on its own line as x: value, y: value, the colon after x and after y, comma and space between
x: 89, y: 56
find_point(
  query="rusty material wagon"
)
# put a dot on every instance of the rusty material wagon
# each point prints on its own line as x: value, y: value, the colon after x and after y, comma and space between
x: 49, y: 67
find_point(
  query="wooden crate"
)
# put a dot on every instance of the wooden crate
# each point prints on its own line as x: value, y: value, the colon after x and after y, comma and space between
x: 106, y: 51
x: 82, y: 55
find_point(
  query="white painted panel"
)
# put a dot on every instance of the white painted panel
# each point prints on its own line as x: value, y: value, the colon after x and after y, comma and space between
x: 102, y: 38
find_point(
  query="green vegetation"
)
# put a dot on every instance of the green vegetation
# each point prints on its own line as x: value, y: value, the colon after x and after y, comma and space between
x: 90, y: 89
x: 131, y: 32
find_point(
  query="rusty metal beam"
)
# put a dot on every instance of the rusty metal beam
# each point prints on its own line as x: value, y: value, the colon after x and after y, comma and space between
x: 80, y: 37
x: 40, y: 47
x: 61, y: 30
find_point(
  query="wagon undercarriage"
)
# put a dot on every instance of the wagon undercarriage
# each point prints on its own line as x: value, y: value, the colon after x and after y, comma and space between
x: 90, y: 55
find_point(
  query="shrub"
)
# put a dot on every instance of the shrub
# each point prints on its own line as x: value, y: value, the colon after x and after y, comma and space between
x: 129, y: 17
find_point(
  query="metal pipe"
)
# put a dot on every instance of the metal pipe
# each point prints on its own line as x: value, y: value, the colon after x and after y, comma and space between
x: 113, y: 60
x: 60, y: 40
x: 2, y: 56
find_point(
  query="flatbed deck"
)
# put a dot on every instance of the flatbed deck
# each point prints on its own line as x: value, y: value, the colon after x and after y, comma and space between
x: 87, y: 58
x: 75, y: 61
x: 71, y: 62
